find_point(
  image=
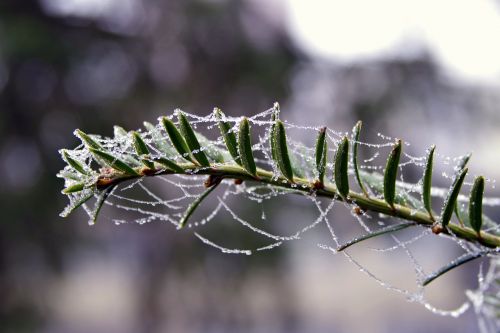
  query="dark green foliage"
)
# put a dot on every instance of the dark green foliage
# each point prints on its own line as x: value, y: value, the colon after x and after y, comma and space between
x: 169, y: 164
x: 272, y: 136
x: 142, y: 150
x: 139, y: 144
x: 387, y: 230
x: 114, y: 162
x: 74, y: 163
x: 83, y: 198
x: 176, y: 138
x: 245, y: 147
x: 101, y: 198
x: 321, y: 152
x: 391, y: 173
x: 451, y: 199
x: 357, y: 130
x: 427, y: 181
x: 476, y: 204
x: 191, y: 140
x: 282, y: 157
x: 159, y: 141
x: 454, y: 264
x: 460, y: 166
x: 341, y: 167
x: 87, y: 140
x: 228, y: 136
x: 192, y: 207
x: 74, y: 188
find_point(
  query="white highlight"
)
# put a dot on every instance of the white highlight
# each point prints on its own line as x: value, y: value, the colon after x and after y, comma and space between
x: 461, y: 34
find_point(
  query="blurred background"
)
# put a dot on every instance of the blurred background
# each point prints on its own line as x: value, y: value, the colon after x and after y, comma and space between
x: 425, y: 71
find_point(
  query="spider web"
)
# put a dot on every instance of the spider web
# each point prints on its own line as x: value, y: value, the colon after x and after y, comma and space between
x: 248, y: 205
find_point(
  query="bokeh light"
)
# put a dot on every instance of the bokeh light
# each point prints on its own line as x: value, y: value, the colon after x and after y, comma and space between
x: 425, y: 71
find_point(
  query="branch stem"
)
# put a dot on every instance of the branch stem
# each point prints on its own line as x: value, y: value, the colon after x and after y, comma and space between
x: 307, y: 186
